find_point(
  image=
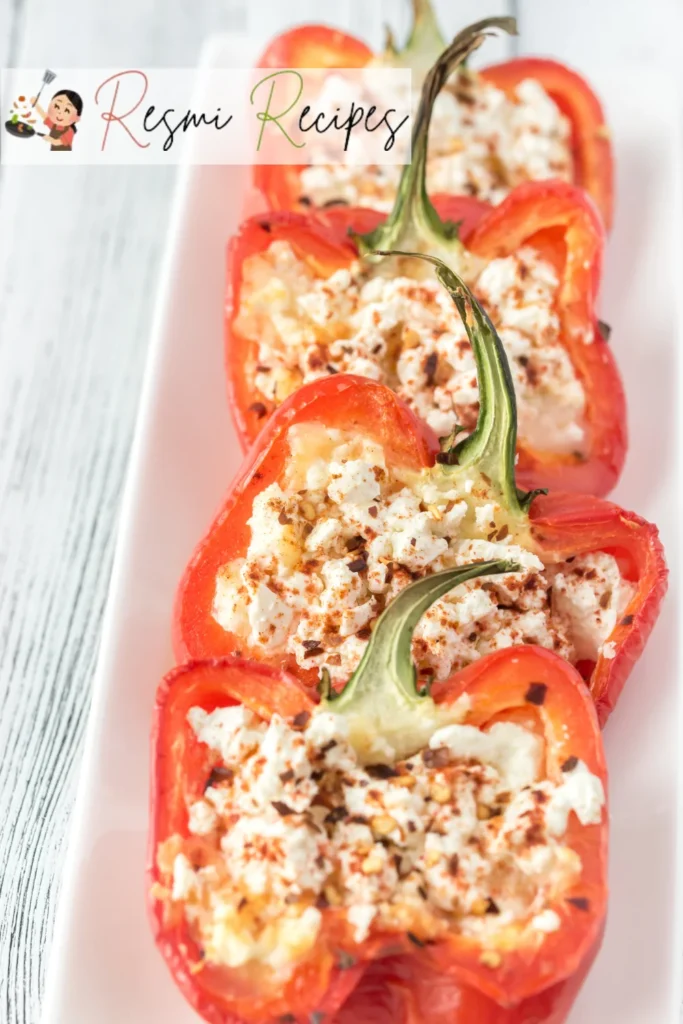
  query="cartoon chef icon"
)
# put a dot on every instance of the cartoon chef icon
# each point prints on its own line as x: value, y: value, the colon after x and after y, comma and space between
x: 63, y: 112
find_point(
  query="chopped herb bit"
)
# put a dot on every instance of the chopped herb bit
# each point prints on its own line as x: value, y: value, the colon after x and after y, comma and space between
x: 345, y: 960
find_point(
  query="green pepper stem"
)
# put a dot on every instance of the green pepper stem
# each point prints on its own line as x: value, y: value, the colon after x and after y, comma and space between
x: 491, y: 447
x: 413, y: 215
x: 382, y: 693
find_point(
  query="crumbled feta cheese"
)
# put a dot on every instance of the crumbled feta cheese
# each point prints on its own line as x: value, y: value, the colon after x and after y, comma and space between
x: 202, y: 818
x: 316, y: 590
x: 514, y: 751
x: 361, y: 917
x: 581, y: 792
x: 547, y: 921
x: 482, y: 142
x: 407, y: 333
x: 299, y: 824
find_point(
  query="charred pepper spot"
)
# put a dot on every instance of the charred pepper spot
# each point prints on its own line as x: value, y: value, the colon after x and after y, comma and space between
x: 627, y: 620
x: 580, y: 902
x: 265, y: 226
x: 259, y: 409
x: 301, y: 720
x: 570, y: 764
x: 536, y: 694
x: 416, y: 941
x: 604, y: 330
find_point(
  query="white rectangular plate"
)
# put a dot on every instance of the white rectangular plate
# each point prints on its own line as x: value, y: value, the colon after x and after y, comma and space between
x: 104, y: 967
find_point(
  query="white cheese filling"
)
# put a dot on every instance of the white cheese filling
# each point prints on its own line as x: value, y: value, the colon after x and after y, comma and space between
x: 464, y: 834
x: 408, y: 334
x: 481, y: 143
x: 345, y: 533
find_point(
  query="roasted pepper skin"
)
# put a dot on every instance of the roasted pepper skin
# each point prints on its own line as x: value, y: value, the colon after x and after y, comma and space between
x: 563, y: 524
x: 556, y: 218
x: 311, y: 46
x: 539, y: 977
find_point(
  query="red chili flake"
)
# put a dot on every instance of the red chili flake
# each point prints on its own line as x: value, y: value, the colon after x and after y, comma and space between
x: 536, y: 694
x: 411, y: 826
x: 322, y: 902
x: 534, y: 834
x: 358, y: 565
x: 429, y: 367
x: 626, y: 621
x: 413, y: 542
x: 287, y: 776
x: 539, y: 796
x: 436, y: 758
x: 328, y: 746
x: 219, y: 774
x: 580, y: 902
x: 265, y: 226
x: 258, y: 408
x: 453, y: 864
x: 492, y: 907
x: 570, y: 764
x: 355, y: 542
x: 242, y: 903
x: 263, y: 369
x: 335, y: 815
x: 365, y: 633
x: 503, y: 532
x: 373, y: 510
x: 605, y: 599
x: 305, y: 200
x: 301, y: 720
x: 310, y: 645
x: 283, y: 519
x: 282, y: 808
x: 381, y: 771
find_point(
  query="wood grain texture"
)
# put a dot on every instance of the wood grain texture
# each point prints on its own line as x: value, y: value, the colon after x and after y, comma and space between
x: 79, y: 252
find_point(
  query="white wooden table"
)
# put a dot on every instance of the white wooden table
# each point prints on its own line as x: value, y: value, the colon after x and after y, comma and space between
x: 79, y: 252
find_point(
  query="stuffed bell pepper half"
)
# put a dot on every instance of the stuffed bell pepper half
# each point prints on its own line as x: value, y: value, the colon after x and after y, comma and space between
x: 302, y: 304
x: 303, y: 848
x: 346, y: 498
x: 527, y: 119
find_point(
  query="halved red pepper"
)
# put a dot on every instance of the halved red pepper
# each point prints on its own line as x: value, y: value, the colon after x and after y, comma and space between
x: 320, y: 46
x: 504, y: 981
x: 555, y: 218
x: 559, y: 525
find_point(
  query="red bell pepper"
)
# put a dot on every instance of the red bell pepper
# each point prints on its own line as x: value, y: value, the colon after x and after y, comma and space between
x: 554, y: 218
x: 319, y: 46
x: 556, y: 527
x: 502, y: 980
